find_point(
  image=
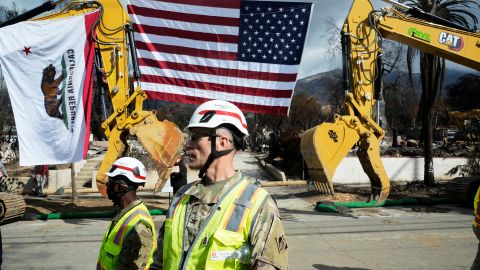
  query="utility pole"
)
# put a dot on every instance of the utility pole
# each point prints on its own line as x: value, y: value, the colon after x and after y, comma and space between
x: 74, y: 186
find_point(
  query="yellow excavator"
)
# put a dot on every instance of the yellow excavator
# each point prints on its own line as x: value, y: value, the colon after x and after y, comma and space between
x: 115, y: 58
x: 467, y: 121
x: 323, y: 147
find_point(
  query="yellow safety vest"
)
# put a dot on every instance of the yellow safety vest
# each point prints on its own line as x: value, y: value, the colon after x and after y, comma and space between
x: 113, y: 239
x: 223, y: 240
x: 476, y: 220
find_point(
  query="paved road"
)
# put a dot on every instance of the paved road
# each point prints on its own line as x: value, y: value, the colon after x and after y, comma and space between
x: 382, y: 238
x: 437, y: 237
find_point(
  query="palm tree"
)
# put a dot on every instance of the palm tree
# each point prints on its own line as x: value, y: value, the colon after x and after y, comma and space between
x: 432, y: 68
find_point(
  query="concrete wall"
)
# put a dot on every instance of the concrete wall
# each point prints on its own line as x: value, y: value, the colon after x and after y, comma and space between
x: 402, y: 169
x: 58, y: 179
x: 273, y: 171
x: 349, y: 171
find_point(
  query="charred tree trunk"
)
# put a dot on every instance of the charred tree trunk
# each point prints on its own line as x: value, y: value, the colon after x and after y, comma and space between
x: 428, y: 174
x: 432, y: 75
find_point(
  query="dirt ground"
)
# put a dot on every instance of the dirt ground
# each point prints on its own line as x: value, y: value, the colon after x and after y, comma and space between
x: 62, y: 204
x: 57, y: 204
x: 415, y: 190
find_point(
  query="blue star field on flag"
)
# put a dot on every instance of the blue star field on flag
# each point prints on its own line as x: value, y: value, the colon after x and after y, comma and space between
x: 272, y: 32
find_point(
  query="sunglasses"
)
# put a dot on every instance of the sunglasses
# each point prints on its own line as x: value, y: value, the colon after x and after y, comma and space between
x: 194, y: 136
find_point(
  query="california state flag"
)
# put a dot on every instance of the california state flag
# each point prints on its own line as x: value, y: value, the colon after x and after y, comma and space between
x: 47, y: 66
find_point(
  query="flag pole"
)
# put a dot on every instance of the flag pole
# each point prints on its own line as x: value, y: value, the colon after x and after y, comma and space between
x: 74, y: 186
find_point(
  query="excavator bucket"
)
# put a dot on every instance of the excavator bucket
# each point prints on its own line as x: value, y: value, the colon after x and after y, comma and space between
x: 323, y: 147
x: 164, y: 143
x: 369, y: 156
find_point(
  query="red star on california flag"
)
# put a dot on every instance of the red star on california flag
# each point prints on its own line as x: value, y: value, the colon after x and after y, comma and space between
x: 26, y: 50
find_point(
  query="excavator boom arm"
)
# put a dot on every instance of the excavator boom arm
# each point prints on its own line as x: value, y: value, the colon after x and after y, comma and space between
x: 456, y: 45
x: 162, y: 140
x: 324, y: 146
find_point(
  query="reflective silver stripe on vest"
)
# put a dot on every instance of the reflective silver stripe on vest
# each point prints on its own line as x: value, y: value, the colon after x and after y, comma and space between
x: 254, y: 219
x: 177, y: 198
x: 240, y: 206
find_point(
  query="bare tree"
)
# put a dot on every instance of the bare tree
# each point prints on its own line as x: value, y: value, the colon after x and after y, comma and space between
x: 332, y: 36
x: 401, y: 102
x: 464, y: 94
x: 305, y: 112
x: 335, y: 99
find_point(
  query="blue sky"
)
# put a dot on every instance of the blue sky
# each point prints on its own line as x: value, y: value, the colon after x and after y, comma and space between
x: 315, y: 58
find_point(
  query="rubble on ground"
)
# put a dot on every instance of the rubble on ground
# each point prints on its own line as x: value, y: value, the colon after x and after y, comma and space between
x: 440, y: 149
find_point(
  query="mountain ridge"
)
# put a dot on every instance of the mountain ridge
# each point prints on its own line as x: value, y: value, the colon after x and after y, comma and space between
x: 327, y: 84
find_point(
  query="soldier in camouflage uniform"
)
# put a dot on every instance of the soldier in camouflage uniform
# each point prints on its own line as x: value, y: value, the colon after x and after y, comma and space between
x: 230, y: 223
x: 130, y: 239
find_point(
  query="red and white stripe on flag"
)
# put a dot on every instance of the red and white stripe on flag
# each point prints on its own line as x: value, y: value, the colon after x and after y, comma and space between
x: 247, y: 52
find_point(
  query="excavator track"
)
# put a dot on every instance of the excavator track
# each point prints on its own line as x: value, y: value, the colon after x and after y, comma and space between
x: 463, y: 189
x: 12, y: 206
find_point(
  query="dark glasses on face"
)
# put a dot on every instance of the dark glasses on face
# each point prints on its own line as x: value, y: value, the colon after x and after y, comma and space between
x: 195, y: 136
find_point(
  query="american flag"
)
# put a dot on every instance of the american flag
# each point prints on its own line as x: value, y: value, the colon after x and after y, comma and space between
x: 245, y: 52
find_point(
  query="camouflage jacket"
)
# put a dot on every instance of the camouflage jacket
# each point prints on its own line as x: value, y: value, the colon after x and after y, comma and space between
x: 269, y: 246
x: 137, y: 244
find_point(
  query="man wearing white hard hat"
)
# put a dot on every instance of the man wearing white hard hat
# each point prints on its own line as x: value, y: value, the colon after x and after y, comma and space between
x: 223, y: 220
x: 130, y: 240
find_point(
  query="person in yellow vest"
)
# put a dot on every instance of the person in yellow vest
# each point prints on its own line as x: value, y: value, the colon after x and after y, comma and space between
x: 476, y: 228
x: 130, y: 240
x: 223, y: 220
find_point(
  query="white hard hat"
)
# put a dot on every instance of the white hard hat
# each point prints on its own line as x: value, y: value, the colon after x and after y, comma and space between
x: 129, y: 167
x: 214, y: 113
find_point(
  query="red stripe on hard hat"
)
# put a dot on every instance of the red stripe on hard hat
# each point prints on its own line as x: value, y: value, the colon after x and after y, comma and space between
x: 232, y: 114
x: 131, y: 170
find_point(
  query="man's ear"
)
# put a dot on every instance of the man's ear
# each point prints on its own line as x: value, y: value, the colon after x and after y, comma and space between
x: 222, y: 143
x: 122, y: 187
